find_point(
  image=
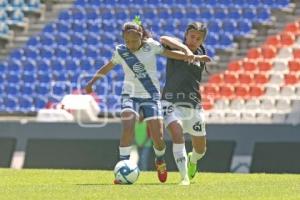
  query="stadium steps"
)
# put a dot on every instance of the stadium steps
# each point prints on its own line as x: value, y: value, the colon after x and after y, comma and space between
x: 257, y: 37
x: 36, y: 25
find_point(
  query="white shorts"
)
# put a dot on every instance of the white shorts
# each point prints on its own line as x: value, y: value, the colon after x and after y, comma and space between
x: 191, y: 120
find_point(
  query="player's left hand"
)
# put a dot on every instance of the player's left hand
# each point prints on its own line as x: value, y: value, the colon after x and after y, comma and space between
x: 203, y: 58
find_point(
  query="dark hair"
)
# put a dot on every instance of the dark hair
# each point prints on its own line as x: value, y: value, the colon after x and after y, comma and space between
x: 202, y: 27
x: 138, y: 28
x: 197, y: 26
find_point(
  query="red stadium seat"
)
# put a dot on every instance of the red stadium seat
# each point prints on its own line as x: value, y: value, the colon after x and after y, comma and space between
x: 268, y: 52
x: 287, y: 39
x: 235, y: 66
x: 293, y: 28
x: 207, y: 104
x: 226, y: 91
x: 260, y: 79
x: 216, y: 79
x: 249, y: 66
x: 294, y: 65
x: 296, y: 53
x: 290, y: 79
x: 245, y: 79
x: 264, y: 66
x: 254, y: 53
x: 210, y: 91
x: 256, y: 91
x: 273, y: 40
x: 230, y: 78
x: 241, y: 92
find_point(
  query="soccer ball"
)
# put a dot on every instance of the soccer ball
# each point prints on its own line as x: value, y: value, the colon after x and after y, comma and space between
x: 126, y: 172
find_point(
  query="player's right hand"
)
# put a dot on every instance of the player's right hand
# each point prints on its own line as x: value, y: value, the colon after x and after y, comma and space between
x: 89, y: 88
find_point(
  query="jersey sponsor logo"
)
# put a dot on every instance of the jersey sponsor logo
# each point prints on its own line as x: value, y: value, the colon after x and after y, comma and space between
x: 139, y: 70
x: 197, y: 127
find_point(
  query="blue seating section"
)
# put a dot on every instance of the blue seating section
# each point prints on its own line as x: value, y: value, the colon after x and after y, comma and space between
x: 68, y: 51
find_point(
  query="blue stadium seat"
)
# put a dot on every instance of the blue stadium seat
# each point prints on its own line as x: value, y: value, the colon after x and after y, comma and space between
x: 249, y: 13
x: 225, y: 41
x: 212, y: 3
x: 108, y: 26
x: 31, y: 52
x: 47, y: 39
x: 62, y: 39
x: 177, y: 12
x: 60, y: 89
x: 65, y: 15
x: 229, y: 26
x: 42, y: 89
x: 57, y: 66
x: 44, y: 77
x: 40, y: 102
x: 79, y: 27
x: 71, y: 65
x: 77, y: 52
x: 93, y: 26
x: 191, y: 12
x: 121, y: 13
x: 91, y: 13
x: 3, y: 67
x: 14, y: 65
x: 149, y: 12
x: 17, y: 54
x: 91, y: 52
x: 107, y: 14
x: 12, y: 89
x: 214, y: 26
x: 27, y: 89
x: 2, y: 79
x: 263, y: 15
x: 77, y: 14
x: 243, y: 27
x: 16, y: 5
x: 13, y: 77
x: 164, y: 12
x: 77, y: 39
x: 153, y: 2
x: 92, y: 39
x: 43, y: 65
x: 210, y: 51
x: 63, y: 26
x: 16, y: 18
x: 220, y: 13
x: 50, y: 28
x: 46, y: 52
x: 25, y: 104
x: 81, y: 3
x: 10, y: 104
x: 86, y: 65
x: 3, y: 4
x: 33, y: 6
x: 212, y: 39
x: 29, y: 77
x: 61, y: 52
x: 29, y: 66
x: 206, y: 14
x: 61, y: 76
x: 234, y: 13
x: 33, y: 41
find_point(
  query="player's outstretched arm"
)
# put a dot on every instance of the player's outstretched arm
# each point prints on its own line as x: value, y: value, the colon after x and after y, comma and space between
x: 99, y: 74
x: 203, y: 58
x: 178, y: 55
x: 174, y: 43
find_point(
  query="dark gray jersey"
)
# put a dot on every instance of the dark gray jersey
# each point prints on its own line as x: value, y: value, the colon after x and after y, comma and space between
x: 183, y: 81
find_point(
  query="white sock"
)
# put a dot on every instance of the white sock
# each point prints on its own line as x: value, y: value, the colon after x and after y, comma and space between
x: 196, y: 156
x: 124, y: 152
x: 159, y: 153
x: 180, y: 157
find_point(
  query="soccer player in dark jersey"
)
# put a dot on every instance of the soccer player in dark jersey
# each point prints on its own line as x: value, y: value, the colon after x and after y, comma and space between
x: 182, y: 101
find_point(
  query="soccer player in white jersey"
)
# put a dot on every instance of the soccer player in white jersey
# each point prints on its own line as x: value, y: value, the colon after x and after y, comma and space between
x: 182, y: 101
x: 140, y: 89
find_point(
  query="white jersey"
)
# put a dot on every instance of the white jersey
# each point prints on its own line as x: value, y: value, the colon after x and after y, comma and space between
x: 141, y: 79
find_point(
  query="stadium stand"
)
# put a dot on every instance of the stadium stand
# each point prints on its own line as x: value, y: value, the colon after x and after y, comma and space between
x: 82, y: 38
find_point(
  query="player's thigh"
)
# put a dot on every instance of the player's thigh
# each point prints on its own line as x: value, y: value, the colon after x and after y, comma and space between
x: 193, y: 122
x: 176, y: 132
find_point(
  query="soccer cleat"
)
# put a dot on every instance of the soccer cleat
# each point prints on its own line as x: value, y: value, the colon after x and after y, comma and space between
x: 192, y: 167
x: 161, y: 168
x: 117, y: 182
x: 185, y: 181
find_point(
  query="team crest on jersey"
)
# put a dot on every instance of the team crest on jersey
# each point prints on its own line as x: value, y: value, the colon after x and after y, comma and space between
x: 146, y: 48
x: 139, y: 70
x: 197, y: 127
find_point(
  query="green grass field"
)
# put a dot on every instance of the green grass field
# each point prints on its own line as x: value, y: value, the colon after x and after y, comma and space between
x: 77, y: 184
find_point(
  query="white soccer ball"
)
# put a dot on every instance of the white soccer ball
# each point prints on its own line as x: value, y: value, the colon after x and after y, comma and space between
x: 126, y: 172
